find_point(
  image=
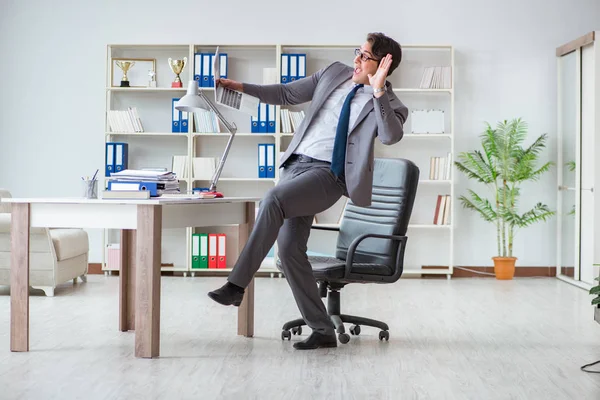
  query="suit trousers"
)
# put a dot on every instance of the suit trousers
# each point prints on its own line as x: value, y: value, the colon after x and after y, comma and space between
x: 286, y: 213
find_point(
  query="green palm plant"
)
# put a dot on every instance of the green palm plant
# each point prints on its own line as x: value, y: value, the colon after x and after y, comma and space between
x: 503, y: 166
x: 596, y: 291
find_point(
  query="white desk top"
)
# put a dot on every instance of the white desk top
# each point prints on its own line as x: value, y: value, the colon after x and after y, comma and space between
x: 153, y: 201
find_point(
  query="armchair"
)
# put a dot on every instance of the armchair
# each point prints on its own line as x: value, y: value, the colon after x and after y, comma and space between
x: 370, y: 245
x: 56, y: 255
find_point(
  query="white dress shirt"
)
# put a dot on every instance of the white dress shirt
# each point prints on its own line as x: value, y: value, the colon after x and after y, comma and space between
x: 319, y: 138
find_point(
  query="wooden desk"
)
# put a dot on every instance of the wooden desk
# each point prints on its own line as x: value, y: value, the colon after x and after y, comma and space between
x: 140, y: 222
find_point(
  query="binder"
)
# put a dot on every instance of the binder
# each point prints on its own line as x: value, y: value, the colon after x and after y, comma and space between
x: 203, y: 263
x: 262, y: 118
x: 121, y: 159
x: 195, y: 250
x: 270, y: 149
x: 285, y: 70
x: 212, y: 250
x: 197, y: 67
x: 270, y: 118
x: 175, y: 116
x: 152, y: 187
x: 109, y: 159
x: 221, y: 251
x: 293, y: 72
x: 183, y: 117
x: 262, y: 160
x: 206, y: 69
x: 301, y: 66
x: 222, y: 73
x: 254, y: 128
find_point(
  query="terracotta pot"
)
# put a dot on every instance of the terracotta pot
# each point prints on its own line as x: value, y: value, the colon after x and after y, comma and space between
x: 504, y: 267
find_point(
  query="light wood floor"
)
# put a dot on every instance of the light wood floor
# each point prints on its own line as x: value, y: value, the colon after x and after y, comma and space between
x: 461, y: 339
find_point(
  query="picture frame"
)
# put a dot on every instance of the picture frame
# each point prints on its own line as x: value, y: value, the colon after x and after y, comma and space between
x: 138, y: 74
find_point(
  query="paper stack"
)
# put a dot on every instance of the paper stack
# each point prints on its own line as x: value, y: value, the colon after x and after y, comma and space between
x: 156, y: 182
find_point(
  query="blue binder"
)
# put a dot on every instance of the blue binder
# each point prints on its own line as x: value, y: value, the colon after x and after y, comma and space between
x: 121, y: 156
x: 262, y: 160
x: 109, y: 159
x: 285, y: 68
x: 206, y: 70
x: 152, y: 187
x: 262, y: 118
x: 271, y: 118
x: 270, y: 149
x: 198, y: 67
x: 254, y: 128
x: 175, y: 115
x: 183, y: 118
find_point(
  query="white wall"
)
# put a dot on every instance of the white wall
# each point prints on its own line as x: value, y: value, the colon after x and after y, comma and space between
x: 53, y: 75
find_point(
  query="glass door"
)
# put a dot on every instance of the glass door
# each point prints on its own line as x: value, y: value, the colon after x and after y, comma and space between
x: 588, y: 87
x: 568, y: 210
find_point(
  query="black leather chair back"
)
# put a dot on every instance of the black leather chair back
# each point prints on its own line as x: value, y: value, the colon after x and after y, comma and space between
x: 395, y: 182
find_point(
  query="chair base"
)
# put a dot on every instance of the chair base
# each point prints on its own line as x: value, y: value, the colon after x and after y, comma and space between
x: 333, y: 306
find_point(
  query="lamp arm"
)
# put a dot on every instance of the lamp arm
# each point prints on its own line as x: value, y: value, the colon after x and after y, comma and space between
x: 232, y: 130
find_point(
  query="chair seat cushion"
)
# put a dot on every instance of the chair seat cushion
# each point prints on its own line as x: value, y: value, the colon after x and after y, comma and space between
x: 69, y: 243
x: 328, y: 268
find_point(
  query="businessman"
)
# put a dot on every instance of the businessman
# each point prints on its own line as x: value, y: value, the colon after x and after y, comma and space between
x: 330, y: 155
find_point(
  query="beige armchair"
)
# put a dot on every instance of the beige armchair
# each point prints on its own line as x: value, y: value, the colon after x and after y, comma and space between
x: 55, y: 255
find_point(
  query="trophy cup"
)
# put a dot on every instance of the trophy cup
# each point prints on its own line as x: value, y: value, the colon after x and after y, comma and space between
x: 151, y: 78
x: 177, y: 66
x: 125, y: 66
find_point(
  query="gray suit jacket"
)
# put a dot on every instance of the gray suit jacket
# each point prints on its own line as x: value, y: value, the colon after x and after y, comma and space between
x: 381, y: 117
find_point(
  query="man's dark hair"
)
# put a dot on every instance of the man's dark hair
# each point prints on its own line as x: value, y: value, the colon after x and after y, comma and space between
x: 381, y: 45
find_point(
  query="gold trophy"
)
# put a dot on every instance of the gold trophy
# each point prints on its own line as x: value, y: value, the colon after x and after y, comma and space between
x: 125, y: 67
x: 177, y: 66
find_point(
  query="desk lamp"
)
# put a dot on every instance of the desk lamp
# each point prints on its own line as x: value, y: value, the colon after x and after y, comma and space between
x: 195, y: 99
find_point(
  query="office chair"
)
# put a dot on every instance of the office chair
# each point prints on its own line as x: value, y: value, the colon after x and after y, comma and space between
x: 370, y: 245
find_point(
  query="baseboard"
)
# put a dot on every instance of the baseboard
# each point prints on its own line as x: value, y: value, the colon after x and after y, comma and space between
x: 95, y: 269
x: 520, y: 272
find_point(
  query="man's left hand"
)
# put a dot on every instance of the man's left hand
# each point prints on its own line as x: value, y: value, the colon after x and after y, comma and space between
x: 378, y: 80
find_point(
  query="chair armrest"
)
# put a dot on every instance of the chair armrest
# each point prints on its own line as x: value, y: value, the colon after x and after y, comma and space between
x: 326, y: 227
x: 399, y: 255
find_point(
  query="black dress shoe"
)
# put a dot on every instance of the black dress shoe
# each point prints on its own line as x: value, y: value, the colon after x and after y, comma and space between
x: 317, y: 340
x: 227, y: 295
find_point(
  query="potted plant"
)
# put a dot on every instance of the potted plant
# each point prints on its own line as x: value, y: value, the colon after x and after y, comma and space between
x: 503, y: 166
x: 596, y: 300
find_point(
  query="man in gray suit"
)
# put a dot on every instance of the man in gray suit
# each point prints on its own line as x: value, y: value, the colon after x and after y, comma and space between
x: 330, y: 155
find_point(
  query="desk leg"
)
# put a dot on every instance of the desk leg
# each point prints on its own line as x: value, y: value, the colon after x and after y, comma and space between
x: 127, y: 281
x: 246, y: 309
x: 147, y: 281
x: 19, y: 278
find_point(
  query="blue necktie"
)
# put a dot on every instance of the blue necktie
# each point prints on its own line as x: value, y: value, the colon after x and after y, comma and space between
x: 341, y: 135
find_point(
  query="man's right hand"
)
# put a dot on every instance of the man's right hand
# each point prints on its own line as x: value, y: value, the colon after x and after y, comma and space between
x: 228, y: 83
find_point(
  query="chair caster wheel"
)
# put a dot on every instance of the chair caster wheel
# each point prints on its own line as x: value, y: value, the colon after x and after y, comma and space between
x: 344, y: 338
x: 384, y: 335
x: 355, y: 330
x: 286, y: 335
x: 297, y: 330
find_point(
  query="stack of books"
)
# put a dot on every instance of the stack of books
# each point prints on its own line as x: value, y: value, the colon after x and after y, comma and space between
x: 132, y: 183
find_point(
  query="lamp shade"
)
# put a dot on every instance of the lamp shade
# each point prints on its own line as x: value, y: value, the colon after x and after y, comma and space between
x: 191, y: 101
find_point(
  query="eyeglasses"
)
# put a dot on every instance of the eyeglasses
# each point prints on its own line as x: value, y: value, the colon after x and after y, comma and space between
x: 363, y: 56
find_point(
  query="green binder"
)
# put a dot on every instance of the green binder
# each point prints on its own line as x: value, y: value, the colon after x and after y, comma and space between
x: 199, y: 250
x: 195, y: 250
x: 203, y: 263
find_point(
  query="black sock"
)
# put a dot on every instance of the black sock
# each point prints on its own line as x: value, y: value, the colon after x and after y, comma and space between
x: 235, y: 287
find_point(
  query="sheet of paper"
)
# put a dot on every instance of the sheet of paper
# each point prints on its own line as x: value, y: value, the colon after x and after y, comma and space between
x: 232, y: 98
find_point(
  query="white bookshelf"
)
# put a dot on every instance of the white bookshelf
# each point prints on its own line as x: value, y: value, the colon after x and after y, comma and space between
x: 157, y: 145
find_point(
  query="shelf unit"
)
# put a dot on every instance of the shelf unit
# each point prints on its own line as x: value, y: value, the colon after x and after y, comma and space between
x: 156, y: 147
